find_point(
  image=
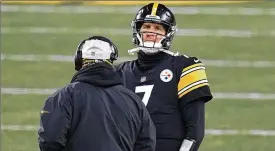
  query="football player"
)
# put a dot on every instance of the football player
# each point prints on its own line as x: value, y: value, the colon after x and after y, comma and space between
x: 173, y: 87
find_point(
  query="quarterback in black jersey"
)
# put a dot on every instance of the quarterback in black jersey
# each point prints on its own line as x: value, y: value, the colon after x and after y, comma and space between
x: 173, y: 87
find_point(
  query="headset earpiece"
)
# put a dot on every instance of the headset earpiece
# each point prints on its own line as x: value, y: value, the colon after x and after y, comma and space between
x: 78, y: 60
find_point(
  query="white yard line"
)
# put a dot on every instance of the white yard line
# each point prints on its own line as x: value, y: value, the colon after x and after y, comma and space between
x: 133, y: 9
x: 207, y: 62
x: 239, y: 95
x: 217, y: 95
x: 208, y: 131
x: 56, y: 58
x: 46, y: 91
x: 240, y: 132
x: 128, y: 32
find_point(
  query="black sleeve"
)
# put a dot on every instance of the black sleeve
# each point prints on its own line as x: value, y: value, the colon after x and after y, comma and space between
x: 146, y: 140
x: 192, y: 80
x: 55, y: 121
x: 193, y: 114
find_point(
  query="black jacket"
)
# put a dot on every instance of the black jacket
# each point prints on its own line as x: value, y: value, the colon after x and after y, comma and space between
x: 95, y: 113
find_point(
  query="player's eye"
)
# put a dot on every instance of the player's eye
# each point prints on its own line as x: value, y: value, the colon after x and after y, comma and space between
x: 159, y: 28
x: 146, y: 27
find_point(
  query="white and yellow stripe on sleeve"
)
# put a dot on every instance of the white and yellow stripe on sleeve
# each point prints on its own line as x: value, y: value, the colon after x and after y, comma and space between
x: 192, y: 77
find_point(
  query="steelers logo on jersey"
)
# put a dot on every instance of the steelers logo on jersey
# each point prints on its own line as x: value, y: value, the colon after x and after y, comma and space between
x: 166, y: 75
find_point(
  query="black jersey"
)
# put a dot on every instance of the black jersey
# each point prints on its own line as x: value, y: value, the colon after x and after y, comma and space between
x: 175, y: 79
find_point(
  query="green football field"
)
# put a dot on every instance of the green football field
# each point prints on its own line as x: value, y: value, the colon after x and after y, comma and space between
x: 237, y: 42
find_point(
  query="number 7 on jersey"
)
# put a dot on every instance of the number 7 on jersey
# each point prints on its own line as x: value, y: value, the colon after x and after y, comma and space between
x: 147, y: 89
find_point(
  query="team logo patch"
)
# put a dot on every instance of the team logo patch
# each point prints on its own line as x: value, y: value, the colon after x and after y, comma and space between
x: 166, y: 75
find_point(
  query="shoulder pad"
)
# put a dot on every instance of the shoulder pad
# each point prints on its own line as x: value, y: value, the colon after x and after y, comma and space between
x: 191, y: 75
x: 186, y: 61
x: 123, y: 65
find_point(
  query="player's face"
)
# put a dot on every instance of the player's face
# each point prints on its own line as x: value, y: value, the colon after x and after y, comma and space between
x: 152, y: 32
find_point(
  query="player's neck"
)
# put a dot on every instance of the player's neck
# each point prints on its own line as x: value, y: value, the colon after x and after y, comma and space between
x: 147, y: 62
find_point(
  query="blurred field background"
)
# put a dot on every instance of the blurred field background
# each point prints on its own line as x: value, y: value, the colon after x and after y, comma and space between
x: 236, y: 41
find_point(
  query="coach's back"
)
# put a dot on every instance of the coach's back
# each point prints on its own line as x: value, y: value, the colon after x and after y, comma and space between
x: 95, y: 112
